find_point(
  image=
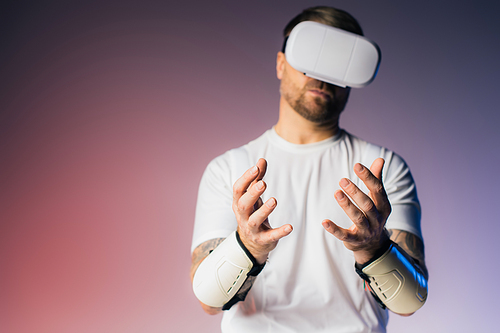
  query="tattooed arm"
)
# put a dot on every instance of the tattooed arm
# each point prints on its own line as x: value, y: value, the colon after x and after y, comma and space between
x: 412, y: 245
x: 199, y: 254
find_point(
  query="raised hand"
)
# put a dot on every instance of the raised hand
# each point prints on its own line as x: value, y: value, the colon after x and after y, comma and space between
x: 252, y: 214
x: 367, y: 234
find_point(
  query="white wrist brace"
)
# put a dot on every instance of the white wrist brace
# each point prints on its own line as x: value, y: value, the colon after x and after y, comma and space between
x: 222, y: 273
x: 396, y: 281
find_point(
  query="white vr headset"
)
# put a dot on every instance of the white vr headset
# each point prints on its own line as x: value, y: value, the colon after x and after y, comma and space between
x: 332, y: 55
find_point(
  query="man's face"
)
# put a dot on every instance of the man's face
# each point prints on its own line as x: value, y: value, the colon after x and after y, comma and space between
x: 315, y: 100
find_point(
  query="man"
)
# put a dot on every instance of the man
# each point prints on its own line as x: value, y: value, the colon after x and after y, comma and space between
x: 301, y: 274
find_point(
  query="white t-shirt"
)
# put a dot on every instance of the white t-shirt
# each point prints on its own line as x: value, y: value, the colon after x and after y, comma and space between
x: 309, y: 283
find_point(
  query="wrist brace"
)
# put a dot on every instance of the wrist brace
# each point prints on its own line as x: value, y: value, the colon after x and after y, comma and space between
x: 395, y: 280
x: 222, y: 273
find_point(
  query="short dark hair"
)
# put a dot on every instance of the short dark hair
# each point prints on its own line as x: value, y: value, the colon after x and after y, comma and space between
x: 327, y: 15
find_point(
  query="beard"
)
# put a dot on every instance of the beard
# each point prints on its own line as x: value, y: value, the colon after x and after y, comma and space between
x: 317, y: 109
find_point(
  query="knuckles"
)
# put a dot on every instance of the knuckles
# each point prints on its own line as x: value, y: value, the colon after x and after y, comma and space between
x: 237, y: 190
x: 369, y: 206
x: 241, y: 207
x: 254, y: 187
x: 251, y: 223
x: 378, y: 187
x: 352, y: 190
x: 359, y: 219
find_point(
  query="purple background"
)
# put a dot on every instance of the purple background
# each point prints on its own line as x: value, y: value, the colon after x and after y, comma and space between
x: 110, y: 111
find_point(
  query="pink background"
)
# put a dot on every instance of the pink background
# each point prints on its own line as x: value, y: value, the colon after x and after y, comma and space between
x: 110, y: 111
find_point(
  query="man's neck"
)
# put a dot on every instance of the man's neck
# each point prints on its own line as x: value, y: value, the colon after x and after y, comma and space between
x: 296, y: 129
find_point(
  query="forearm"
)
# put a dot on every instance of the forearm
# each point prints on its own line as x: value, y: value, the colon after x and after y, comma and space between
x: 199, y: 254
x: 245, y: 288
x: 396, y: 280
x: 208, y: 309
x: 412, y: 245
x: 225, y: 276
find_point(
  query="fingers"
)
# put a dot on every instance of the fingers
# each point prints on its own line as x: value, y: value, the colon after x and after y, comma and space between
x: 341, y: 233
x: 376, y: 168
x: 264, y: 240
x: 275, y: 235
x: 258, y: 236
x: 248, y: 202
x: 257, y: 219
x: 366, y: 212
x: 258, y: 222
x: 251, y: 176
x: 251, y: 180
x: 372, y: 178
x: 242, y: 184
x: 252, y: 214
x: 261, y: 243
x: 262, y: 165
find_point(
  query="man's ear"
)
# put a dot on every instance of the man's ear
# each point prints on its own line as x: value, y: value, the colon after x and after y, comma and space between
x: 280, y: 64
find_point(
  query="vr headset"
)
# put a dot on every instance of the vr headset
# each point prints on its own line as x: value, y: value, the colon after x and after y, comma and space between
x: 332, y: 55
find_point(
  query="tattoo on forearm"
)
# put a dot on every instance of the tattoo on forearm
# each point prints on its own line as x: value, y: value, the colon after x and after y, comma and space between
x: 409, y: 242
x: 412, y: 245
x: 202, y: 251
x: 245, y: 288
x: 241, y: 294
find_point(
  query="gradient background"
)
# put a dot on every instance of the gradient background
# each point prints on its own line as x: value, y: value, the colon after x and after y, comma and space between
x: 110, y: 111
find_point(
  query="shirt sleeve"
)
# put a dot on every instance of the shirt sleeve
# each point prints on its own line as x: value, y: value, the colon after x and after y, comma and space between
x: 214, y: 217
